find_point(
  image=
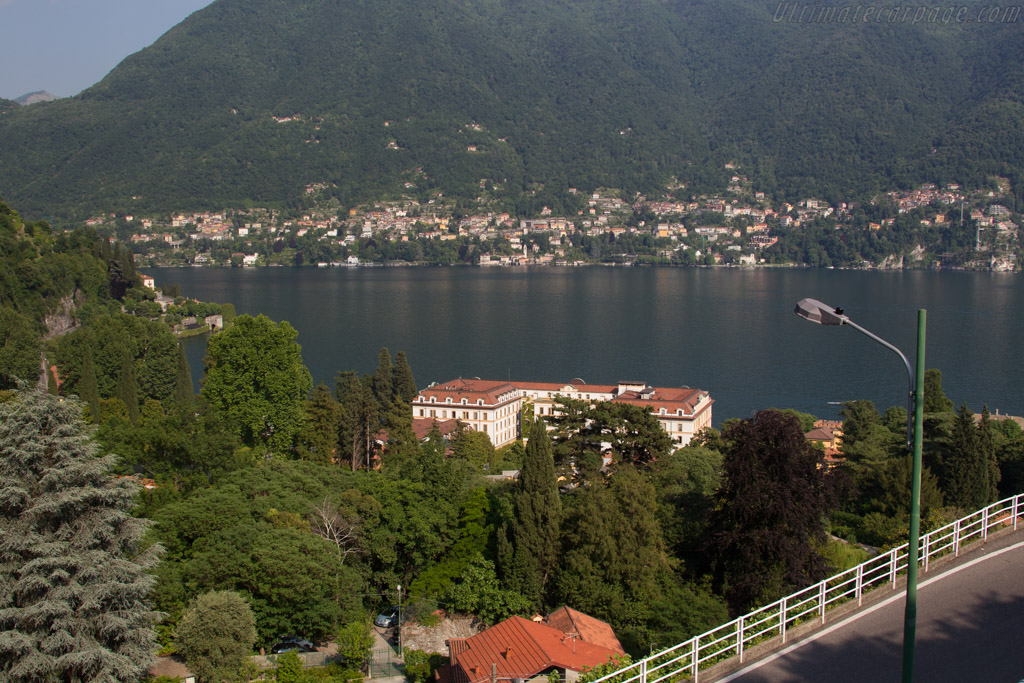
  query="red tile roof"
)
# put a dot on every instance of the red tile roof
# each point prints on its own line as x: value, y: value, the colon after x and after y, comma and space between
x: 422, y: 426
x: 490, y: 391
x: 519, y: 648
x: 591, y: 630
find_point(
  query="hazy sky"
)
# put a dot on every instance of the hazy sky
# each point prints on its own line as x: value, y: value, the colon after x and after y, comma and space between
x: 64, y: 46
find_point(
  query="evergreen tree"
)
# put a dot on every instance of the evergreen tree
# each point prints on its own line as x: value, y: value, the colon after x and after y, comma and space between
x: 988, y: 453
x: 320, y: 438
x: 348, y: 390
x: 367, y: 424
x: 73, y: 585
x: 127, y: 387
x: 404, y: 383
x: 614, y: 550
x: 935, y: 399
x: 531, y: 540
x: 184, y: 389
x: 967, y: 477
x: 383, y: 380
x: 88, y: 390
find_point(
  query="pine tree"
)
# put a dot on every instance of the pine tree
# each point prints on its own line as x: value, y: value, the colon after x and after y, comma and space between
x: 531, y: 539
x: 127, y: 387
x: 404, y: 383
x: 73, y: 584
x: 184, y: 389
x: 88, y: 390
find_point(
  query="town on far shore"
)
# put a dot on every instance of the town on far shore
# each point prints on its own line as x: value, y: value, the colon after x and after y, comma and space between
x: 928, y: 227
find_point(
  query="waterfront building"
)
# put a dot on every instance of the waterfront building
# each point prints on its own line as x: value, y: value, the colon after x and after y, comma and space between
x: 494, y: 407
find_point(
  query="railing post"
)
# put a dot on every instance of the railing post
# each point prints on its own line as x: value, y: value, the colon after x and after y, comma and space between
x: 739, y: 638
x: 860, y: 584
x: 984, y: 524
x: 1016, y: 501
x: 926, y: 540
x: 893, y: 563
x: 782, y: 616
x: 956, y: 538
x: 821, y: 600
x: 643, y: 671
x: 695, y: 658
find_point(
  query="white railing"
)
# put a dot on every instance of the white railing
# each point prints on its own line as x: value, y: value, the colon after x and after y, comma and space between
x: 685, y: 660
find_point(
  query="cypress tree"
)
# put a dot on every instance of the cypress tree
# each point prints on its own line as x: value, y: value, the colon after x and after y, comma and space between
x: 404, y: 383
x: 531, y: 540
x: 127, y: 388
x: 987, y: 452
x: 383, y: 380
x: 184, y: 389
x: 88, y: 390
x: 73, y: 585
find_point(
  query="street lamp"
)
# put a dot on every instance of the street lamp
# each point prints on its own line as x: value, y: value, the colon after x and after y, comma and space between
x: 399, y: 620
x: 823, y: 314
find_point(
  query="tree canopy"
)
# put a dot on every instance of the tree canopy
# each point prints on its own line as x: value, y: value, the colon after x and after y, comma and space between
x: 255, y: 377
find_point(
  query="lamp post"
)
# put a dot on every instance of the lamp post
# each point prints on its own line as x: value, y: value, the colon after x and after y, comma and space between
x: 399, y: 620
x: 823, y: 314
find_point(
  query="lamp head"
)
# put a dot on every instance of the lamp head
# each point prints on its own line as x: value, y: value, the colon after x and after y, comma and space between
x: 817, y: 312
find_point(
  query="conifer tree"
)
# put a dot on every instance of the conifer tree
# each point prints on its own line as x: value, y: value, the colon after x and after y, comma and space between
x: 88, y: 390
x: 73, y: 584
x: 529, y: 544
x: 184, y: 389
x: 128, y: 387
x: 989, y: 453
x: 935, y: 399
x: 319, y: 441
x: 966, y: 470
x: 404, y: 383
x: 383, y: 380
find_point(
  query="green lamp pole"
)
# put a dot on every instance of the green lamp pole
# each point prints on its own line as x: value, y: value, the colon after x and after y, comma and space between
x: 823, y: 314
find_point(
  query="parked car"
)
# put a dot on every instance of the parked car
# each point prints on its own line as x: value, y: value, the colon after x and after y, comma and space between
x: 292, y: 644
x: 388, y: 618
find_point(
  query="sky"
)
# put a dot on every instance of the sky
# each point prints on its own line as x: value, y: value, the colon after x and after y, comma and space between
x: 64, y: 46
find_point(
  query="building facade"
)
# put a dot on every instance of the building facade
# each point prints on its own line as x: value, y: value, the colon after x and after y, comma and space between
x: 495, y: 407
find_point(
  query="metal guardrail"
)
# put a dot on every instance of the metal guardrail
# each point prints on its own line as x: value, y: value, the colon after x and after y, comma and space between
x: 685, y: 660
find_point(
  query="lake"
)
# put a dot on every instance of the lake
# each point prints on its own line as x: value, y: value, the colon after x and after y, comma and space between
x: 729, y: 331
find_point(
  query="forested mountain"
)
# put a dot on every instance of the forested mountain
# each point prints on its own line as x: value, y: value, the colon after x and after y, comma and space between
x: 251, y: 100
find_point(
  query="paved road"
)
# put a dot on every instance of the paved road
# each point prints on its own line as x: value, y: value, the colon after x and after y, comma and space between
x: 970, y: 627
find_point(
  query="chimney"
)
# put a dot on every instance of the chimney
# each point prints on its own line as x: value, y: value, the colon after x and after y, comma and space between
x: 507, y: 653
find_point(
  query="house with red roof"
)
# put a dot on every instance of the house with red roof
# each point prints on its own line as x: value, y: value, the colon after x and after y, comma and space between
x: 568, y: 642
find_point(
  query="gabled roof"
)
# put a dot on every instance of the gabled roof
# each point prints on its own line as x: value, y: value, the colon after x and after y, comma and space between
x: 519, y: 648
x: 591, y: 630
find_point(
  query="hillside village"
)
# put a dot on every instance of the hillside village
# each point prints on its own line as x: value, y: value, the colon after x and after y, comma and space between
x: 929, y: 227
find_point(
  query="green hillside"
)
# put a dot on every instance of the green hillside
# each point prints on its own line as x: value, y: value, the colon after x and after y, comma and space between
x: 534, y: 96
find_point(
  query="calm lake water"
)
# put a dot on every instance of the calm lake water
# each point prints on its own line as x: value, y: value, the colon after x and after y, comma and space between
x: 729, y: 331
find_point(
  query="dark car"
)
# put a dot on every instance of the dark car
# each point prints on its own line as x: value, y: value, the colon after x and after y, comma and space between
x: 292, y: 644
x: 388, y: 618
